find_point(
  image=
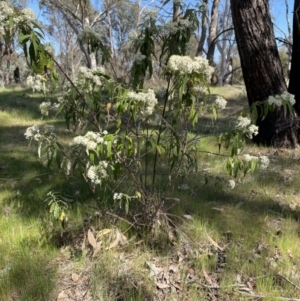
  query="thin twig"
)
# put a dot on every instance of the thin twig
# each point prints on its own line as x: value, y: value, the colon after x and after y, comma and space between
x: 289, y: 281
x: 251, y: 296
x: 121, y: 218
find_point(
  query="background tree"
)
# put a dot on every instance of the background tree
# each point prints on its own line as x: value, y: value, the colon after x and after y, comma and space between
x: 85, y: 21
x: 294, y: 83
x: 65, y: 42
x: 225, y: 43
x: 213, y: 31
x: 262, y: 70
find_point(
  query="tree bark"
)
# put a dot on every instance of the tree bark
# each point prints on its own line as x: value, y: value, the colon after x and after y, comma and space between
x: 262, y: 70
x: 294, y: 83
x: 176, y: 11
x: 200, y: 48
x: 213, y: 32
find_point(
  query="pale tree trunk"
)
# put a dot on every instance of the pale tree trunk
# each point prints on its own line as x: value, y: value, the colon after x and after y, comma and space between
x: 204, y: 21
x: 262, y: 70
x: 289, y: 38
x: 213, y: 27
x: 224, y: 46
x: 92, y: 55
x: 110, y: 31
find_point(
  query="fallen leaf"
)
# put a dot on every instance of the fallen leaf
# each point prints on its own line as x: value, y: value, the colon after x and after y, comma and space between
x: 215, y: 243
x: 62, y: 296
x: 97, y: 249
x: 75, y: 277
x: 116, y: 241
x: 162, y: 285
x: 208, y: 278
x: 103, y: 232
x: 92, y: 239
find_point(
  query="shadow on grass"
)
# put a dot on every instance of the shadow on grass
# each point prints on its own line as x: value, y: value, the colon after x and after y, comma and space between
x: 30, y: 275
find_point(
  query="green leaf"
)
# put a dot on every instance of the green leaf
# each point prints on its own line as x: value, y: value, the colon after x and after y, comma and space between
x: 254, y: 114
x: 92, y: 157
x: 214, y: 110
x: 109, y: 152
x: 284, y: 108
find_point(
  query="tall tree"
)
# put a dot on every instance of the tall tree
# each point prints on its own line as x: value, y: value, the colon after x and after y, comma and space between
x: 225, y: 43
x: 213, y: 27
x: 263, y: 74
x: 83, y: 19
x: 294, y: 84
x: 204, y: 22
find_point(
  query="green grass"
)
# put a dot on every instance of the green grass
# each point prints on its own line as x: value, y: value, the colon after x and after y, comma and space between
x: 213, y: 243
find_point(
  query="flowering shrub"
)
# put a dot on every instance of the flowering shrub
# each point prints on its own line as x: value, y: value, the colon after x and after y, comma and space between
x: 143, y: 101
x: 11, y: 19
x: 126, y: 140
x: 285, y: 100
x: 184, y: 65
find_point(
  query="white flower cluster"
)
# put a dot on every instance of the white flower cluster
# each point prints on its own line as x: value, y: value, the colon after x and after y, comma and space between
x: 35, y: 132
x: 146, y: 100
x: 278, y: 99
x: 86, y: 78
x: 174, y: 27
x: 199, y: 89
x: 90, y: 140
x: 36, y: 82
x: 245, y: 123
x: 220, y: 103
x: 26, y: 15
x: 47, y: 106
x: 118, y: 196
x: 263, y: 160
x: 187, y: 65
x: 7, y: 11
x: 97, y: 173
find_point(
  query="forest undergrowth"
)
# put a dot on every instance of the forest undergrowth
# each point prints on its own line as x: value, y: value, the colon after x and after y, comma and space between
x: 208, y: 242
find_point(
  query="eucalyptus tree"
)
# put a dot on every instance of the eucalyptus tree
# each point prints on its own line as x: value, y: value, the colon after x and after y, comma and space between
x: 123, y: 24
x: 225, y: 42
x: 86, y: 22
x: 294, y: 86
x: 262, y: 70
x: 213, y: 31
x: 65, y: 42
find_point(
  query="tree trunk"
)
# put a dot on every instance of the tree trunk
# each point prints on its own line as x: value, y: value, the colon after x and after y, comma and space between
x: 224, y: 46
x: 176, y: 11
x: 213, y: 32
x: 262, y: 70
x: 294, y: 84
x: 200, y: 48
